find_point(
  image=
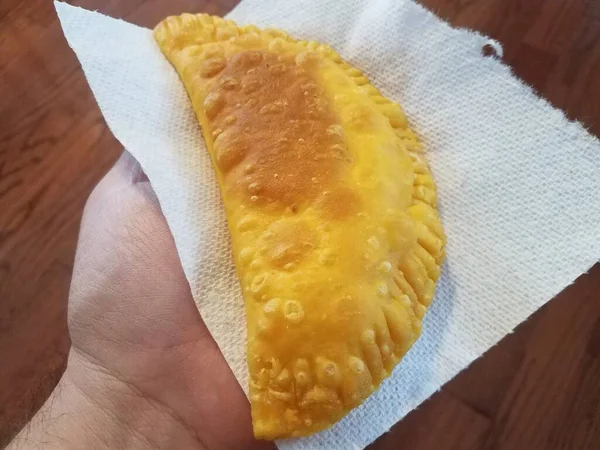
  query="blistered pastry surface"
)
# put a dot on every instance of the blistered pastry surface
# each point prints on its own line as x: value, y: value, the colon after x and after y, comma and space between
x: 332, y: 213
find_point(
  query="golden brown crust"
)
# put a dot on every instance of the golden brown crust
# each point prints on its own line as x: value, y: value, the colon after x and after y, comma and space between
x: 332, y: 213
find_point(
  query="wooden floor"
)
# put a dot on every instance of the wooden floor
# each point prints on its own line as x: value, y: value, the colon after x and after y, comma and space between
x: 538, y: 389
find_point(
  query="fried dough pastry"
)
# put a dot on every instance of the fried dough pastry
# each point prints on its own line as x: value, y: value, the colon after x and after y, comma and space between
x: 331, y: 208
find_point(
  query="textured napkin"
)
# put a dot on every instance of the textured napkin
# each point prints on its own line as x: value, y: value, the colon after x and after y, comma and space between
x: 518, y: 184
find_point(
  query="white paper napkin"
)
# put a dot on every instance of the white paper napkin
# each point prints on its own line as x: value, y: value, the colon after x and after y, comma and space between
x: 519, y: 189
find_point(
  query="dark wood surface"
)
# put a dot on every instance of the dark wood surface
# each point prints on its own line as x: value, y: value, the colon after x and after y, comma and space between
x: 538, y: 389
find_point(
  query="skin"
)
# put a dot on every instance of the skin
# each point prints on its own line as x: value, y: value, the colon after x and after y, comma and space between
x: 143, y: 371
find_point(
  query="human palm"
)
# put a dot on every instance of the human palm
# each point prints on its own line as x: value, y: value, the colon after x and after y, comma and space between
x: 132, y: 316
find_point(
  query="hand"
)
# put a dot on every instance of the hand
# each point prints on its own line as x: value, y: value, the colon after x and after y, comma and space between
x: 142, y: 358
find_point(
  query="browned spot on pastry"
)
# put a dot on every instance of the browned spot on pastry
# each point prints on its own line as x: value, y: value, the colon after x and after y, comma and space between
x: 284, y: 116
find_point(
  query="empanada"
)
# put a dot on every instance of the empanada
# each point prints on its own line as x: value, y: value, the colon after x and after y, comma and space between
x: 332, y: 212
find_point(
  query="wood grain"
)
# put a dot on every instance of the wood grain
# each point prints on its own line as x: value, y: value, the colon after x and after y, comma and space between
x: 538, y: 389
